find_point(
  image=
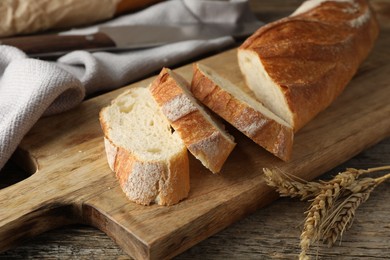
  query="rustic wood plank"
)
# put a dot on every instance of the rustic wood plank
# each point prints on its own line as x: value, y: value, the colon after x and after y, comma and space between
x: 262, y: 235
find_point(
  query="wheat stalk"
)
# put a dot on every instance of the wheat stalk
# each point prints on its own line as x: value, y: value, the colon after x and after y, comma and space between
x: 327, y: 217
x: 312, y: 221
x: 317, y: 212
x: 291, y: 186
x: 344, y: 217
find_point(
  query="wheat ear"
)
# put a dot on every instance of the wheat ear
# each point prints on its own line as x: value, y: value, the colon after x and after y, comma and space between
x: 341, y: 218
x: 317, y: 212
x: 292, y: 186
x: 287, y: 187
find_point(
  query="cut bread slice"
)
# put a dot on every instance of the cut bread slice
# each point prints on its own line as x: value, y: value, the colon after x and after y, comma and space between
x: 203, y: 135
x: 242, y: 111
x: 150, y: 162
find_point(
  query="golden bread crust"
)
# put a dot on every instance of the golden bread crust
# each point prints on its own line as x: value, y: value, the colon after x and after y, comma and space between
x: 313, y: 55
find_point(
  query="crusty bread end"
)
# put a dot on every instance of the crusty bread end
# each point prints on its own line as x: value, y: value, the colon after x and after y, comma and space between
x: 298, y: 65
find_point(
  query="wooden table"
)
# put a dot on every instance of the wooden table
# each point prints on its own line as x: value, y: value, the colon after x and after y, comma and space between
x: 270, y: 233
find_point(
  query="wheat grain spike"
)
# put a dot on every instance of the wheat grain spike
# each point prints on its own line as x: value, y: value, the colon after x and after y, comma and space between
x: 342, y: 216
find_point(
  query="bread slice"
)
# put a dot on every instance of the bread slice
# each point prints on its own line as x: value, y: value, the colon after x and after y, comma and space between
x: 150, y: 162
x: 203, y: 135
x: 242, y: 111
x: 298, y: 65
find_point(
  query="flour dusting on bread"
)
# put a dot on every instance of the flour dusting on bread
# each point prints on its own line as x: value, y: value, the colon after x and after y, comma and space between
x: 144, y: 182
x: 362, y: 19
x: 178, y: 107
x: 249, y: 124
x: 311, y: 4
x: 208, y: 148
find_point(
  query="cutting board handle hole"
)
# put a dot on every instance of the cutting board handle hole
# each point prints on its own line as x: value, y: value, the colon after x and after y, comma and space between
x: 18, y: 168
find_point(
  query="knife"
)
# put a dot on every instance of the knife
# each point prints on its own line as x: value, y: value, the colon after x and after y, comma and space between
x: 123, y: 38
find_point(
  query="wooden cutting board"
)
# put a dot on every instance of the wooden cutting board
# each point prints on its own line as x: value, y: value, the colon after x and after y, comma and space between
x: 73, y: 184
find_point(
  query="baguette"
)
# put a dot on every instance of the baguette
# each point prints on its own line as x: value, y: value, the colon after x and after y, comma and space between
x: 242, y: 111
x: 30, y: 16
x: 150, y: 162
x: 203, y: 135
x: 298, y: 65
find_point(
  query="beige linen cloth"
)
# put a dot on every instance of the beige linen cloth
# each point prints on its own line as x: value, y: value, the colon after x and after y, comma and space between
x: 31, y: 88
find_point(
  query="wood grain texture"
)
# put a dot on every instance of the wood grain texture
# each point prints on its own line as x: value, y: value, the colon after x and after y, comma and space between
x: 269, y: 233
x: 321, y: 146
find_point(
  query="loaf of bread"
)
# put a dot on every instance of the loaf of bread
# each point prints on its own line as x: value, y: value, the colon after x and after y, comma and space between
x: 204, y: 136
x: 150, y: 162
x: 242, y: 111
x: 30, y: 16
x: 298, y: 65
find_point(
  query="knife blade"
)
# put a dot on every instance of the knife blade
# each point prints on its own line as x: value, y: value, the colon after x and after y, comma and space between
x: 124, y: 38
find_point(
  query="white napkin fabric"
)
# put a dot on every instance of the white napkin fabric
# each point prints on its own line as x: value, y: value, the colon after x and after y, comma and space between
x: 31, y: 88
